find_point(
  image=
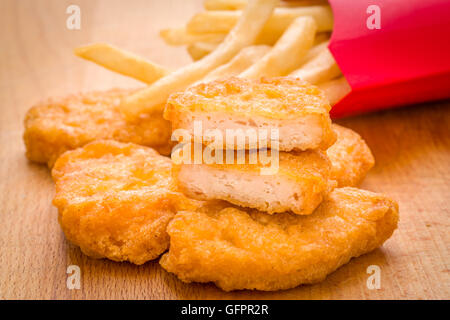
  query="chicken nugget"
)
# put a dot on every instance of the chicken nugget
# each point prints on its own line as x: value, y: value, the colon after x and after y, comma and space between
x: 296, y: 181
x: 57, y: 125
x: 239, y: 249
x: 298, y: 111
x: 115, y: 200
x: 350, y: 156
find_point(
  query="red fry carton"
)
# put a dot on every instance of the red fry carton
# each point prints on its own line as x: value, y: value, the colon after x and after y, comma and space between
x: 392, y: 52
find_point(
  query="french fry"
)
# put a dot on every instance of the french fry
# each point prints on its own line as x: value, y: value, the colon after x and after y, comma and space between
x: 180, y: 36
x: 240, y: 4
x: 299, y: 3
x: 200, y: 49
x: 223, y: 21
x: 335, y: 90
x: 244, y: 59
x: 321, y: 68
x: 288, y: 53
x: 152, y: 98
x: 315, y: 51
x: 122, y: 62
x: 321, y: 42
x: 224, y: 4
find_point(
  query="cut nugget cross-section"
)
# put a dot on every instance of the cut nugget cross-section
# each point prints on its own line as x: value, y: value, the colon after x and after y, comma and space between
x: 116, y: 199
x: 247, y: 249
x: 296, y: 181
x: 298, y: 111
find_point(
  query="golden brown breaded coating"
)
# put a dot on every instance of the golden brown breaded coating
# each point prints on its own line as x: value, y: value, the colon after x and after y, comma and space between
x: 239, y: 249
x: 350, y: 156
x: 297, y: 109
x: 57, y: 125
x: 116, y: 199
x: 295, y: 181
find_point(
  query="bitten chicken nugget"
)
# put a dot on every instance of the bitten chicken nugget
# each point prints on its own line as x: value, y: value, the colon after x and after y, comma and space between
x: 58, y: 125
x: 350, y: 156
x: 116, y: 199
x: 297, y: 109
x: 239, y: 249
x: 296, y: 181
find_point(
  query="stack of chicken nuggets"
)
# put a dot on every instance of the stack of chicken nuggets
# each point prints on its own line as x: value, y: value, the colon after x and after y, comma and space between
x: 276, y: 229
x: 282, y: 213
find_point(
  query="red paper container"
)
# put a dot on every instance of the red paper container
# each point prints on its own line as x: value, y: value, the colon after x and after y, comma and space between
x: 402, y: 60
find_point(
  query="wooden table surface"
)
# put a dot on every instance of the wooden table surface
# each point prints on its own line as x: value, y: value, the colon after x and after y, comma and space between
x: 411, y: 146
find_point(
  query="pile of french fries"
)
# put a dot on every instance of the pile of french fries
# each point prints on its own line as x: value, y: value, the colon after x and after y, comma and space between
x: 245, y: 38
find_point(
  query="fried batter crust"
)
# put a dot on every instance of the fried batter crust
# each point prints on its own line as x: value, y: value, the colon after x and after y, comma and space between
x: 350, y: 156
x: 275, y: 98
x: 239, y: 249
x: 57, y: 125
x: 116, y: 199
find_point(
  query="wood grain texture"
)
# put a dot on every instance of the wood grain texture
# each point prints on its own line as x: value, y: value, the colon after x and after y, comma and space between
x: 411, y: 147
